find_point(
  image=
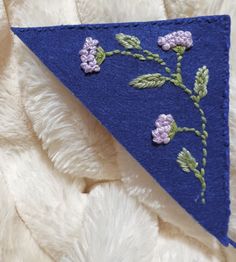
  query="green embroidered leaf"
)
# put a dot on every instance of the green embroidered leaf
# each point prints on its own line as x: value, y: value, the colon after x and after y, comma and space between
x: 173, y: 130
x: 100, y: 55
x: 128, y: 41
x: 148, y: 81
x: 201, y: 81
x: 179, y: 49
x: 186, y: 161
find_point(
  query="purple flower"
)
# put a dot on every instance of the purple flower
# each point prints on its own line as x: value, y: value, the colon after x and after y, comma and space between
x: 178, y: 38
x: 165, y: 129
x: 88, y: 56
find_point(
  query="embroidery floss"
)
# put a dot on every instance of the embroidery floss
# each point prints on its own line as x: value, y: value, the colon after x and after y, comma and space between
x: 178, y: 38
x: 165, y: 129
x: 88, y: 56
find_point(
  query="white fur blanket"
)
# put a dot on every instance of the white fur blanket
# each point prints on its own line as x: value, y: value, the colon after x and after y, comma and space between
x: 68, y: 191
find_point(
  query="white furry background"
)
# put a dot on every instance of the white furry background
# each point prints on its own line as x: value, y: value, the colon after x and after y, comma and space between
x: 68, y: 191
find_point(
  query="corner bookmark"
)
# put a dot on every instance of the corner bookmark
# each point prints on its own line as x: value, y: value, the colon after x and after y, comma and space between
x: 161, y: 89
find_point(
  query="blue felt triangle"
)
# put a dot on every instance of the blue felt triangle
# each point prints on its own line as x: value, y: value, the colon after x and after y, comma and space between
x: 187, y: 80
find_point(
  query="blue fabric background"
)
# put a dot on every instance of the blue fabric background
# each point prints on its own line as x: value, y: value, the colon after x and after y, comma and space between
x: 129, y: 114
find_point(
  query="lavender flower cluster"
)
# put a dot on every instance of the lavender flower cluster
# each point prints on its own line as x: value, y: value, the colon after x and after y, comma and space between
x: 88, y: 56
x: 178, y: 38
x: 163, y: 127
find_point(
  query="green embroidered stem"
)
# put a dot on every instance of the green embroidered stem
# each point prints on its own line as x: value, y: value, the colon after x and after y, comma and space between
x: 201, y: 179
x: 203, y: 134
x: 179, y: 59
x: 187, y: 129
x: 130, y: 42
x: 126, y: 53
x: 148, y: 56
x: 200, y: 85
x: 178, y: 82
x: 156, y: 58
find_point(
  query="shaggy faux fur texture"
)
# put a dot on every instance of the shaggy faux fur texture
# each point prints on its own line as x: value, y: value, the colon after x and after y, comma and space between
x: 49, y: 210
x: 106, y: 236
x: 67, y: 129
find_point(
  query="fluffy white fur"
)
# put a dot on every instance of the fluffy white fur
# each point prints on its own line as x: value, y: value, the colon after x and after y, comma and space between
x: 41, y: 13
x: 50, y: 205
x: 65, y: 128
x: 173, y: 245
x: 16, y: 243
x: 123, y: 231
x: 101, y: 11
x: 50, y: 145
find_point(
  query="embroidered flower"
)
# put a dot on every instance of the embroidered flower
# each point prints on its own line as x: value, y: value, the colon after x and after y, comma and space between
x: 88, y: 56
x: 178, y: 38
x: 165, y: 129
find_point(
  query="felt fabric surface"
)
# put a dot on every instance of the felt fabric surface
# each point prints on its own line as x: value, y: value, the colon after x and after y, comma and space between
x: 129, y: 114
